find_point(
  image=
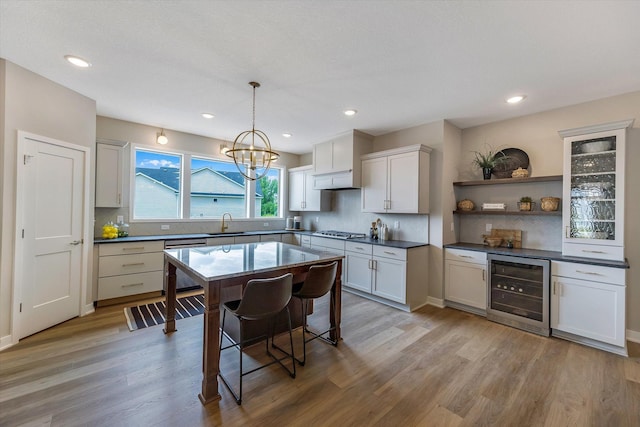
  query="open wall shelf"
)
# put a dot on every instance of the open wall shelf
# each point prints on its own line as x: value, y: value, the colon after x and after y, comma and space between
x: 497, y: 212
x: 510, y: 181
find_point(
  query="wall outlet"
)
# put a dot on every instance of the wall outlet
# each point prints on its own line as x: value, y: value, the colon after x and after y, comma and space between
x: 266, y: 224
x: 396, y: 225
x: 165, y: 227
x: 120, y: 219
x: 317, y: 219
x: 489, y: 227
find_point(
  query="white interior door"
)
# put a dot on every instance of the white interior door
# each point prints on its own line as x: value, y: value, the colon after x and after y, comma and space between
x: 50, y: 228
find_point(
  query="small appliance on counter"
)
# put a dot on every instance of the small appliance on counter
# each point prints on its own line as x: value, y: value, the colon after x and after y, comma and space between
x: 297, y: 223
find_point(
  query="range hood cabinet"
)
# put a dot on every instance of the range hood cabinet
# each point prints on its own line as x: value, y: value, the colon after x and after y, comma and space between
x: 336, y: 163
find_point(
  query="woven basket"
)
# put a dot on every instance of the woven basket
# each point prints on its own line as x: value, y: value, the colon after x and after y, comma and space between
x: 466, y: 205
x: 549, y: 204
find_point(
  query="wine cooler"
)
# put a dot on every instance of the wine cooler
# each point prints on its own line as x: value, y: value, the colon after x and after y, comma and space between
x: 518, y: 292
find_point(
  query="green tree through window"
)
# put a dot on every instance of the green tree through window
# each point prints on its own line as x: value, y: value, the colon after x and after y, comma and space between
x: 269, y: 206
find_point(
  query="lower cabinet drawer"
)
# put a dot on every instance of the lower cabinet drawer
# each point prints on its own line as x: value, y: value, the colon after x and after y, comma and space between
x: 129, y: 284
x: 595, y: 273
x: 390, y: 252
x: 130, y: 264
x: 476, y: 257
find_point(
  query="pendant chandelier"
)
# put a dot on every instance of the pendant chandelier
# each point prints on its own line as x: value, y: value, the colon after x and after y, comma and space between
x: 252, y: 158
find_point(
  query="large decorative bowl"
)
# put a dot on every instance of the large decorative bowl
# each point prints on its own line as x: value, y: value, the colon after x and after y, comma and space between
x: 493, y: 242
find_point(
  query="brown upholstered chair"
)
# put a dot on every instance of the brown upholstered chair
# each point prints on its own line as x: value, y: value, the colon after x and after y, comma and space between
x: 318, y: 283
x: 263, y: 299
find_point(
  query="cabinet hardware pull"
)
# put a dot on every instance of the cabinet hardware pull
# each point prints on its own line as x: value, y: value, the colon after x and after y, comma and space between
x: 594, y: 252
x: 77, y: 242
x: 390, y: 253
x: 132, y: 284
x: 483, y: 273
x: 465, y: 256
x: 566, y: 232
x: 359, y: 248
x: 141, y: 248
x: 133, y: 264
x: 375, y: 264
x: 554, y: 288
x: 589, y: 272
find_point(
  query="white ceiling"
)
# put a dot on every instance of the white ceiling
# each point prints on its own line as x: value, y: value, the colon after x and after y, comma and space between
x: 399, y: 63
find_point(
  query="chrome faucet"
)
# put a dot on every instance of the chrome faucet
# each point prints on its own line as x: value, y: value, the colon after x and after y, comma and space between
x: 224, y: 227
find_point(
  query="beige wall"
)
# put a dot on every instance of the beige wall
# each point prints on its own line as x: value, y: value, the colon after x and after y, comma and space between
x: 39, y: 106
x: 537, y: 135
x: 139, y: 134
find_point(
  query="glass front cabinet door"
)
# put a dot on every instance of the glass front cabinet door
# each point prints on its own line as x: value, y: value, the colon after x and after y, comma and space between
x: 593, y: 191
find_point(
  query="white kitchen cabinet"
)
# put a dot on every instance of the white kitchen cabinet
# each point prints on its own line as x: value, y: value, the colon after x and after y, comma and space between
x: 465, y: 280
x: 130, y: 268
x: 223, y: 240
x: 396, y: 181
x: 390, y: 275
x: 358, y: 260
x: 271, y: 237
x: 109, y: 175
x: 303, y: 240
x: 336, y: 163
x: 588, y: 305
x: 302, y: 196
x: 289, y: 238
x: 593, y: 191
x: 252, y: 238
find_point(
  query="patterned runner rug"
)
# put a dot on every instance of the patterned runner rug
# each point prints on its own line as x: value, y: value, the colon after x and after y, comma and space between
x: 143, y: 316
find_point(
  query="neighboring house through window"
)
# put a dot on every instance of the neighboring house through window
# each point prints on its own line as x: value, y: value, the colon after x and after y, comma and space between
x: 216, y: 187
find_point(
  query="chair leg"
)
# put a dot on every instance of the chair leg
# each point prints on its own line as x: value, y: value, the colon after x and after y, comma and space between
x: 292, y: 372
x: 238, y: 397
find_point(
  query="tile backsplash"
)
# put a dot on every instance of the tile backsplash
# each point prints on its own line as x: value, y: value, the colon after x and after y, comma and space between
x: 346, y: 215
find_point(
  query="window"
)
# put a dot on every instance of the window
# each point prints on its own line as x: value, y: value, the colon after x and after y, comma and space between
x: 211, y: 188
x: 216, y: 187
x: 157, y: 185
x: 269, y: 190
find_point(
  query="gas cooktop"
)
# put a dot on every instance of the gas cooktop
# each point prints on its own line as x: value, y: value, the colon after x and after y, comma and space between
x: 339, y: 234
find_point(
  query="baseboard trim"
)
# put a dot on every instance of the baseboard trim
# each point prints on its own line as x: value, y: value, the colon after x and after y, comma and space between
x: 6, y: 342
x: 436, y: 302
x: 87, y: 309
x: 622, y: 351
x: 633, y: 336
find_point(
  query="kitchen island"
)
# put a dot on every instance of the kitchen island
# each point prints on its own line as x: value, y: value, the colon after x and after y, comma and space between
x: 223, y: 271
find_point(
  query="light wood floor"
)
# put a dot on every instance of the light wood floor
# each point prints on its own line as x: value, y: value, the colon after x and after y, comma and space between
x: 433, y: 367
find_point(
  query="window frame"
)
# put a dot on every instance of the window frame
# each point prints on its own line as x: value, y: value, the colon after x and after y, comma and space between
x: 185, y: 187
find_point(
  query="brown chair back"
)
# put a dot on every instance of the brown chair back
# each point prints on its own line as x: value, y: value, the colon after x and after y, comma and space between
x: 319, y: 280
x: 265, y: 297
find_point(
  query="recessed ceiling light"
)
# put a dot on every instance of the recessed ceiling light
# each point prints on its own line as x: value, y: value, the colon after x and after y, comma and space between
x: 516, y: 99
x: 350, y: 112
x: 286, y: 135
x: 208, y: 115
x: 77, y: 61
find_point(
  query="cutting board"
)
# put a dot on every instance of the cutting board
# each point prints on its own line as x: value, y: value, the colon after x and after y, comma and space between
x: 514, y: 235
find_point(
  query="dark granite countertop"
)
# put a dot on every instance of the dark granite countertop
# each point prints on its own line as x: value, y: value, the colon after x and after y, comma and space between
x: 536, y: 253
x: 186, y: 236
x: 402, y: 244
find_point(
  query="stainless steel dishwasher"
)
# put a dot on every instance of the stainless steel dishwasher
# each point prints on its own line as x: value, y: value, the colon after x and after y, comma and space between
x: 184, y: 282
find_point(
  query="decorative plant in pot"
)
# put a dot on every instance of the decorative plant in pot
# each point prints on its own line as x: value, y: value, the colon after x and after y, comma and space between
x: 526, y: 204
x: 488, y: 160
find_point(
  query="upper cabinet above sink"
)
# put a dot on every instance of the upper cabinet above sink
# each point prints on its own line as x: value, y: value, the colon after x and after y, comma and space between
x: 336, y: 163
